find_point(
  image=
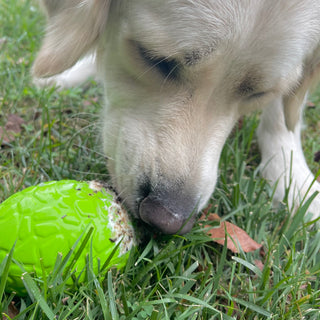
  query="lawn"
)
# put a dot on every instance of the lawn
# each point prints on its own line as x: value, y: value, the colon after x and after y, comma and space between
x: 166, y: 277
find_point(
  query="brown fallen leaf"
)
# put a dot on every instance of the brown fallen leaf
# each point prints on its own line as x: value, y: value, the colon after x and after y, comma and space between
x: 310, y: 105
x: 12, y: 127
x: 259, y: 264
x: 12, y: 311
x: 236, y: 237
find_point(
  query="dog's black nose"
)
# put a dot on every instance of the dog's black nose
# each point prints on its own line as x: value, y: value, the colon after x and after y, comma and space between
x: 155, y: 212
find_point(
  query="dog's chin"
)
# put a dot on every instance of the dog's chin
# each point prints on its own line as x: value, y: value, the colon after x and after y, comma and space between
x: 167, y: 206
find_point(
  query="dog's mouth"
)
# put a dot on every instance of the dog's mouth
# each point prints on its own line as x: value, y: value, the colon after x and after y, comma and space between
x: 166, y: 208
x: 152, y: 211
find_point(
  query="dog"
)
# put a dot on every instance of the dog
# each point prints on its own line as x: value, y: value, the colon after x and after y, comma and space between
x: 177, y: 76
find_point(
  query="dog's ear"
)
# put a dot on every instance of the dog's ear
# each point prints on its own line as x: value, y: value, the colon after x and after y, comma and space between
x: 50, y: 7
x: 73, y: 28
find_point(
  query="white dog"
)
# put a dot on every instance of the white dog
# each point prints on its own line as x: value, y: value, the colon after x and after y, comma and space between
x: 178, y: 74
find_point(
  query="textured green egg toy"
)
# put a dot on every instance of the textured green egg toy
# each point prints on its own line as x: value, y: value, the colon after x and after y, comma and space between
x: 48, y: 219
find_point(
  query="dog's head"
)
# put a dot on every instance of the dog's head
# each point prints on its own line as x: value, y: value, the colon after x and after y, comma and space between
x: 177, y: 75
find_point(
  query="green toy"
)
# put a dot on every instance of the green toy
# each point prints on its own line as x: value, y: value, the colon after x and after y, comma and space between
x: 45, y: 220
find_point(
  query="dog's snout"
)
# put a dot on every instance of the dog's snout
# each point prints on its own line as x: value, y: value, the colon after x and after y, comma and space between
x: 168, y: 219
x: 157, y: 215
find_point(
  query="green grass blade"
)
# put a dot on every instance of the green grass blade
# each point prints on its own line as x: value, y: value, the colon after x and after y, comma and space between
x: 248, y: 265
x: 102, y: 300
x: 44, y: 279
x: 112, y: 300
x: 34, y: 291
x: 78, y: 253
x: 200, y: 303
x: 253, y: 307
x: 111, y: 255
x: 5, y: 267
x: 221, y: 262
x: 124, y: 300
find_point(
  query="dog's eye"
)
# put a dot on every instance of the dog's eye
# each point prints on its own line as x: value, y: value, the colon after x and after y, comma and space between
x: 249, y: 87
x: 257, y: 95
x: 169, y: 68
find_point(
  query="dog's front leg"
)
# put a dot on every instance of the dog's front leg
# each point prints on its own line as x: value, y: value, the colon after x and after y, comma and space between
x: 283, y: 163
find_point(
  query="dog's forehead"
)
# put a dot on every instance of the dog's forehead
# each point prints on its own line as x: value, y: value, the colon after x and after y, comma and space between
x: 195, y: 29
x: 172, y: 27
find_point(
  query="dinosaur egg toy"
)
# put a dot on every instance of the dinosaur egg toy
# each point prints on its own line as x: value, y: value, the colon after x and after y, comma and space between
x: 46, y: 220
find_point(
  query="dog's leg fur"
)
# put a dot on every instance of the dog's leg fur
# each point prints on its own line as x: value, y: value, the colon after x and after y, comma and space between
x: 283, y: 162
x: 73, y: 77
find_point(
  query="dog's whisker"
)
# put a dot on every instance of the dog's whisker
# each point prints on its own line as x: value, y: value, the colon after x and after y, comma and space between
x: 94, y: 151
x: 168, y: 77
x: 153, y: 66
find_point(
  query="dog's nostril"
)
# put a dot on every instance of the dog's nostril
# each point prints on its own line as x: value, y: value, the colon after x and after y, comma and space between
x: 153, y: 212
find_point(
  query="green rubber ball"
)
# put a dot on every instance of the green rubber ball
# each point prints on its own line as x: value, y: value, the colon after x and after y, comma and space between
x: 46, y: 220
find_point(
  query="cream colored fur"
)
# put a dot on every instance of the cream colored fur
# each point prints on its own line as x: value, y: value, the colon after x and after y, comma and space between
x: 164, y: 129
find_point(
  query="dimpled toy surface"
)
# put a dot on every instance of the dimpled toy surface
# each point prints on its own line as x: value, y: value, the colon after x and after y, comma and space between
x: 49, y: 218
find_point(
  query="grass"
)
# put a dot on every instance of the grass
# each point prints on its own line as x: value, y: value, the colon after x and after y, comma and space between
x: 174, y: 277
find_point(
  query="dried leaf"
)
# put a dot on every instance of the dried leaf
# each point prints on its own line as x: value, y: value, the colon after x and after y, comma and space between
x: 236, y: 236
x: 12, y: 311
x: 11, y: 128
x: 259, y: 264
x: 213, y: 217
x: 310, y: 105
x: 90, y: 102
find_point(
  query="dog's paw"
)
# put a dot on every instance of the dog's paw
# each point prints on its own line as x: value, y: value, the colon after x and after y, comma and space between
x: 298, y: 192
x: 77, y: 75
x: 283, y: 163
x: 289, y: 173
x: 48, y: 82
